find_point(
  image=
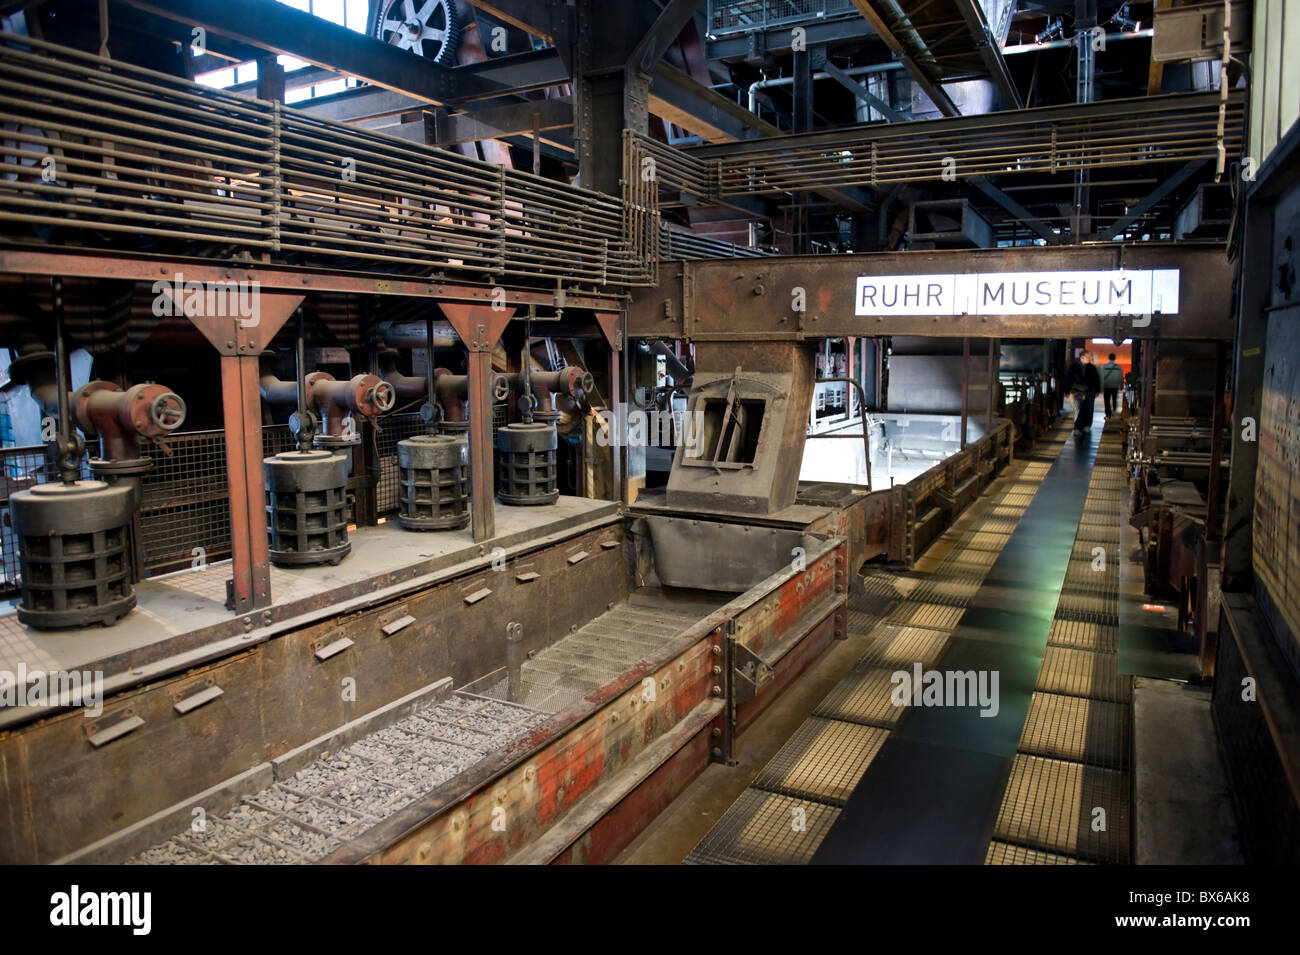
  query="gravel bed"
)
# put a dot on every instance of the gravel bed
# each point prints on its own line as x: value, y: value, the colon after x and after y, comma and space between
x: 342, y: 794
x: 170, y: 853
x: 258, y: 851
x: 367, y: 798
x: 276, y: 798
x: 248, y: 817
x: 484, y: 724
x: 460, y: 703
x: 507, y: 713
x: 404, y: 776
x: 321, y: 815
x: 214, y: 835
x: 479, y: 742
x: 312, y: 845
x: 316, y: 778
x: 375, y: 750
x: 436, y: 751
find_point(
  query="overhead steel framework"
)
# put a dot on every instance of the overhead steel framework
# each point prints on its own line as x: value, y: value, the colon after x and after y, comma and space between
x: 1053, y: 139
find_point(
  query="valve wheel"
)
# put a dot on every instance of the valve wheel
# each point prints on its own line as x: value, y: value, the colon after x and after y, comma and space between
x: 383, y: 396
x: 428, y: 28
x: 500, y: 388
x: 168, y: 411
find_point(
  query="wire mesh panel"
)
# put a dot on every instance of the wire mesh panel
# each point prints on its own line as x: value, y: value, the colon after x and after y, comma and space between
x: 186, y: 498
x: 20, y: 468
x: 392, y: 429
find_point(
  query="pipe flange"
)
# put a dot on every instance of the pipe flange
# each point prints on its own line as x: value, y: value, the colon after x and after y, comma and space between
x: 124, y: 468
x: 328, y: 441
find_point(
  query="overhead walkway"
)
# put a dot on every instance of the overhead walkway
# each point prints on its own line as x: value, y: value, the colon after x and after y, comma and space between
x: 1026, y: 590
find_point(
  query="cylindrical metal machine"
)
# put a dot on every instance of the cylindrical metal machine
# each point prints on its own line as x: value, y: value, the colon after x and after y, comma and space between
x: 74, y: 544
x: 526, y: 464
x: 434, y: 481
x: 307, y: 507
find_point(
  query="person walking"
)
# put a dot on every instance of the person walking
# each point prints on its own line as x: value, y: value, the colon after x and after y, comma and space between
x: 1084, y: 383
x: 1112, y: 377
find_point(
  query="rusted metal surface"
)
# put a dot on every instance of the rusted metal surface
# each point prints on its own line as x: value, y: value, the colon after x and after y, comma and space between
x: 151, y: 268
x: 256, y: 178
x: 279, y: 694
x: 480, y: 328
x: 505, y: 805
x: 250, y: 553
x: 750, y: 300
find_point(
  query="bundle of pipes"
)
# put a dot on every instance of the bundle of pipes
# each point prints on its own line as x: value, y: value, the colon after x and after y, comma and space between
x: 449, y: 408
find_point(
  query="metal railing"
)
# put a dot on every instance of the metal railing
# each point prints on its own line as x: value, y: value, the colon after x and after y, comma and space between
x: 1117, y: 133
x: 746, y: 16
x: 679, y: 244
x: 111, y: 156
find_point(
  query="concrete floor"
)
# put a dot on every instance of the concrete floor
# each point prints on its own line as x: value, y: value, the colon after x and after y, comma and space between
x: 1183, y: 806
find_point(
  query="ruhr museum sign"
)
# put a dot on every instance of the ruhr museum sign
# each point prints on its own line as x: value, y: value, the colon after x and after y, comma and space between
x: 1112, y: 292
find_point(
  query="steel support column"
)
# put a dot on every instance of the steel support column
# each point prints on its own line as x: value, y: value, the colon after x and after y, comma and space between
x: 965, y: 388
x: 992, y: 382
x: 240, y: 340
x: 480, y: 328
x: 615, y: 330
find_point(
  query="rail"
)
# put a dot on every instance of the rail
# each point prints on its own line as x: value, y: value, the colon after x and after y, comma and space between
x: 1057, y: 139
x: 748, y: 16
x: 107, y: 155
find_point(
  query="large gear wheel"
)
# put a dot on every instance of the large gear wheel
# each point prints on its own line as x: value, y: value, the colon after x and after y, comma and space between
x: 428, y: 28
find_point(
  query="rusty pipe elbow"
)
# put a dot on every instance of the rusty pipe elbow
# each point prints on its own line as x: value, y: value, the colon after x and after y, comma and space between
x: 274, y: 390
x: 368, y: 395
x: 122, y: 418
x: 406, y: 386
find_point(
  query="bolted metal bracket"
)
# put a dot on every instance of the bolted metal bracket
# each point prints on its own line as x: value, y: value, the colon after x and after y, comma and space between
x: 749, y: 672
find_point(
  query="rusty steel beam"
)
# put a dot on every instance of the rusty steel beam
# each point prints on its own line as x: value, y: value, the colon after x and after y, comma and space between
x: 480, y: 328
x: 927, y: 83
x: 750, y: 299
x: 281, y: 29
x: 270, y: 277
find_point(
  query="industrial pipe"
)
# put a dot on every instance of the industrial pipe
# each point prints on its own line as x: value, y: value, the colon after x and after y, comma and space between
x: 121, y: 418
x: 367, y: 395
x: 571, y: 381
x: 673, y: 365
x: 406, y: 386
x: 452, y: 392
x: 789, y: 80
x: 416, y: 334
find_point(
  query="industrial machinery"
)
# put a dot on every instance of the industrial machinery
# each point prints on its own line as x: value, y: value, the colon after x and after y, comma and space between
x: 526, y: 450
x: 306, y: 489
x: 77, y: 541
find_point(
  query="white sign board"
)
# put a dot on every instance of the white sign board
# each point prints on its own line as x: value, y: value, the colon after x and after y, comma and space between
x: 1113, y: 292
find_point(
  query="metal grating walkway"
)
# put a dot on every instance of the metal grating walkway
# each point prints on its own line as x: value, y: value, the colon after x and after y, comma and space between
x: 1026, y: 586
x: 1070, y: 790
